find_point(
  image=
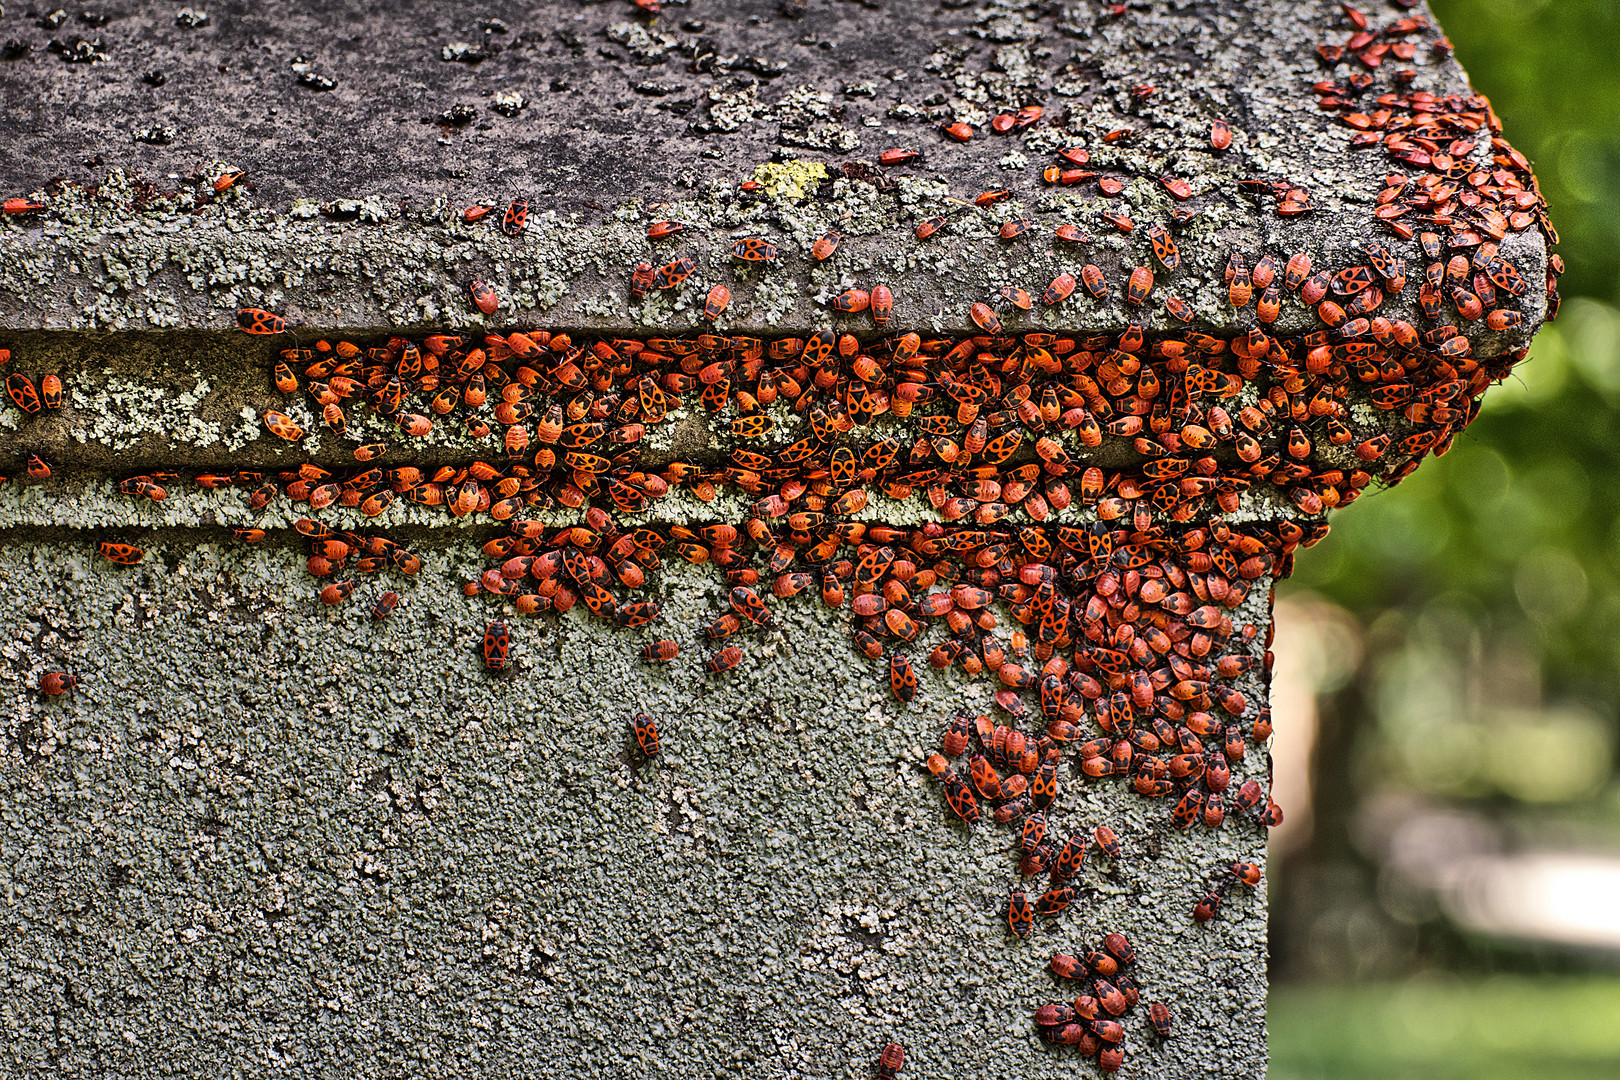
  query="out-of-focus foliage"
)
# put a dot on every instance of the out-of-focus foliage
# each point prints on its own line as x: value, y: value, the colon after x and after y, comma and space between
x: 1549, y: 68
x: 1496, y: 1029
x: 1486, y: 589
x: 1489, y: 581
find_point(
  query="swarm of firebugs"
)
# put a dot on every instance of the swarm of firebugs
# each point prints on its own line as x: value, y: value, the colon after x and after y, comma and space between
x: 1125, y: 651
x: 1092, y: 1021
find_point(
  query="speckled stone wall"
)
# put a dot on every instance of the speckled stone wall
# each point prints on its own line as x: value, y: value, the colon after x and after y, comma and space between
x: 263, y: 839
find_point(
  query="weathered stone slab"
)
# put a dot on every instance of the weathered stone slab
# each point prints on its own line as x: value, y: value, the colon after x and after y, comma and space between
x: 801, y: 106
x: 306, y: 842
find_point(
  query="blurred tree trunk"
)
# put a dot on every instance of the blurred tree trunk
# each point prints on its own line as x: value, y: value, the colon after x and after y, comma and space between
x: 1315, y: 874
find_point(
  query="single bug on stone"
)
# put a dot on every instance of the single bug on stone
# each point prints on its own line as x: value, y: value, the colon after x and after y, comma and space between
x: 385, y: 605
x: 671, y: 274
x: 852, y: 301
x: 891, y: 1061
x: 825, y: 245
x: 24, y: 393
x: 483, y: 297
x: 724, y: 660
x: 1020, y: 914
x: 122, y: 554
x: 259, y: 321
x: 282, y: 425
x: 1164, y: 247
x: 55, y: 683
x: 517, y: 217
x: 902, y: 679
x: 660, y: 651
x: 641, y: 280
x: 715, y: 303
x: 1139, y: 286
x: 1094, y: 281
x: 984, y: 318
x: 753, y: 249
x: 496, y: 645
x: 646, y: 732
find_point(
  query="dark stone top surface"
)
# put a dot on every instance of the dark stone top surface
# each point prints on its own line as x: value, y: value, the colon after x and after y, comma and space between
x: 349, y: 214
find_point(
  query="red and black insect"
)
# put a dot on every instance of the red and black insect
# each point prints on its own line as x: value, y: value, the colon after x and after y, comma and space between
x: 24, y: 393
x: 660, y: 651
x: 984, y: 318
x: 483, y: 297
x: 282, y: 425
x: 753, y: 249
x: 724, y: 660
x: 517, y: 217
x: 882, y: 301
x: 671, y: 274
x: 719, y: 296
x: 891, y: 1061
x: 641, y: 281
x: 337, y: 592
x: 646, y: 732
x: 385, y: 605
x: 825, y: 245
x: 497, y: 644
x: 54, y: 683
x: 852, y: 301
x: 1164, y: 247
x: 259, y: 321
x: 1020, y: 914
x: 1139, y: 286
x: 122, y: 554
x: 902, y: 679
x: 1352, y: 280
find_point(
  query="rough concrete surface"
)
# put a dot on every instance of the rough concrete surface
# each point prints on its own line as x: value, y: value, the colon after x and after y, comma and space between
x: 268, y: 839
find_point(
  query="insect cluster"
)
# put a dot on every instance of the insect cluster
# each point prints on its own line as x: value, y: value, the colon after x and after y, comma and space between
x: 1092, y: 1021
x: 1102, y: 515
x: 1107, y: 605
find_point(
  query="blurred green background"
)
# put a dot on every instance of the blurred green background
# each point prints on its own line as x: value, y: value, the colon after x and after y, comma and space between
x: 1449, y: 905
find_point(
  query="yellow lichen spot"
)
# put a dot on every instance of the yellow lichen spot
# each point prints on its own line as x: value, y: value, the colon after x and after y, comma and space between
x: 789, y: 179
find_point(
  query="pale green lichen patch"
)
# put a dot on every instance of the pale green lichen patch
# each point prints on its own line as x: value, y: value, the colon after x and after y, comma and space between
x: 789, y: 180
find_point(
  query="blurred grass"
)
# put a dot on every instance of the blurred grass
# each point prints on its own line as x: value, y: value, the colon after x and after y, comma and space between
x: 1500, y: 1028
